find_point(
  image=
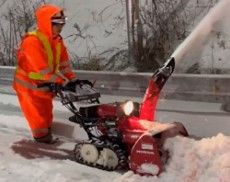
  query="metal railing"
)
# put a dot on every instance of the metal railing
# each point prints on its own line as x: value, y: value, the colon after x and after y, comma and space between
x: 208, y: 88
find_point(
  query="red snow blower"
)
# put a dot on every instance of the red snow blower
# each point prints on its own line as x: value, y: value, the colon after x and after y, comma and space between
x: 122, y: 134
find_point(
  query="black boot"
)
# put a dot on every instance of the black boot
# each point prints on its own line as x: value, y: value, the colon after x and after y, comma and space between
x: 47, y: 138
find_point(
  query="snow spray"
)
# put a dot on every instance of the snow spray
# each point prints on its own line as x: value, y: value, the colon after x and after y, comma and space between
x: 199, y: 36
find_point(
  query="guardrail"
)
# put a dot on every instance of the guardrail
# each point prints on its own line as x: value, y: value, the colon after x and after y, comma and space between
x: 209, y: 88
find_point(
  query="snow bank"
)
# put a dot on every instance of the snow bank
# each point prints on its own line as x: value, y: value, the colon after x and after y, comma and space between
x: 192, y: 160
x: 207, y: 159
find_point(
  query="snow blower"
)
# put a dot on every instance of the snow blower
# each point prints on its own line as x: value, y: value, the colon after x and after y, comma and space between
x: 122, y: 135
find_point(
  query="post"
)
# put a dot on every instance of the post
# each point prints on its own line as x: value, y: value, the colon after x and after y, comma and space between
x: 128, y: 28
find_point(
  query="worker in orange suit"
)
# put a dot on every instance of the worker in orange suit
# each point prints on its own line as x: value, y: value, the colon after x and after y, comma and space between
x: 42, y: 57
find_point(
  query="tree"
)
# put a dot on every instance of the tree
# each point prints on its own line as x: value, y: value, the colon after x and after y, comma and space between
x: 17, y: 21
x: 156, y: 27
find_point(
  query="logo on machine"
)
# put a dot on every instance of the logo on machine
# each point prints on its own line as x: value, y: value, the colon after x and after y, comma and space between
x: 146, y: 146
x: 134, y: 136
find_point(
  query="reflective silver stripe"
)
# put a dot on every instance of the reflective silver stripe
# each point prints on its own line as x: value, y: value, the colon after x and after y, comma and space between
x: 56, y: 75
x: 52, y: 78
x: 66, y: 70
x: 29, y: 85
x: 45, y: 71
x: 64, y: 63
x: 62, y: 76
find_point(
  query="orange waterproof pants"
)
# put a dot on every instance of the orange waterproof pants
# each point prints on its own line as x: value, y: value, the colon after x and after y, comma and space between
x: 37, y: 108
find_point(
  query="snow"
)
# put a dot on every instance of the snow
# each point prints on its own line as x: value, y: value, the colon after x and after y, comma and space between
x: 148, y: 168
x: 192, y: 160
x: 208, y: 43
x: 206, y: 159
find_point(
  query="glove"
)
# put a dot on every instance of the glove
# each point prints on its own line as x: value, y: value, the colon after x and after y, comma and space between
x: 85, y: 82
x: 53, y: 87
x: 71, y: 85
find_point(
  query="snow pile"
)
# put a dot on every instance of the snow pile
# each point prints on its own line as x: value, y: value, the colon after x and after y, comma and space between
x: 148, y: 168
x: 203, y: 160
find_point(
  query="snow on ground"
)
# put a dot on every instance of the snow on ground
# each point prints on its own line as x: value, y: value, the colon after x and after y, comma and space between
x: 21, y: 159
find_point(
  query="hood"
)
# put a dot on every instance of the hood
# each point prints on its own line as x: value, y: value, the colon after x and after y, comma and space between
x: 43, y: 15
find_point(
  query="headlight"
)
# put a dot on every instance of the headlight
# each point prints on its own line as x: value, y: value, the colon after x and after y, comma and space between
x: 128, y: 108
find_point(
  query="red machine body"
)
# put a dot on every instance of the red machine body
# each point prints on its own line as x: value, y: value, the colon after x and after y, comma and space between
x: 143, y: 139
x: 145, y: 158
x: 117, y: 139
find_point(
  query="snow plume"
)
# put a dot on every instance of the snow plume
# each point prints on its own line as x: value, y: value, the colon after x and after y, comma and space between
x: 194, y: 44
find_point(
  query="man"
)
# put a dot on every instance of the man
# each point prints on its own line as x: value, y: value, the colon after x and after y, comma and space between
x: 42, y: 57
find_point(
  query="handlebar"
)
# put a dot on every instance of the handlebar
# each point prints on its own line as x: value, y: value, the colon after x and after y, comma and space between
x: 53, y: 87
x: 82, y: 92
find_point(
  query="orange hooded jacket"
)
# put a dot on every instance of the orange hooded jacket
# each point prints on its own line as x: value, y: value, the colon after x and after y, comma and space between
x: 41, y: 58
